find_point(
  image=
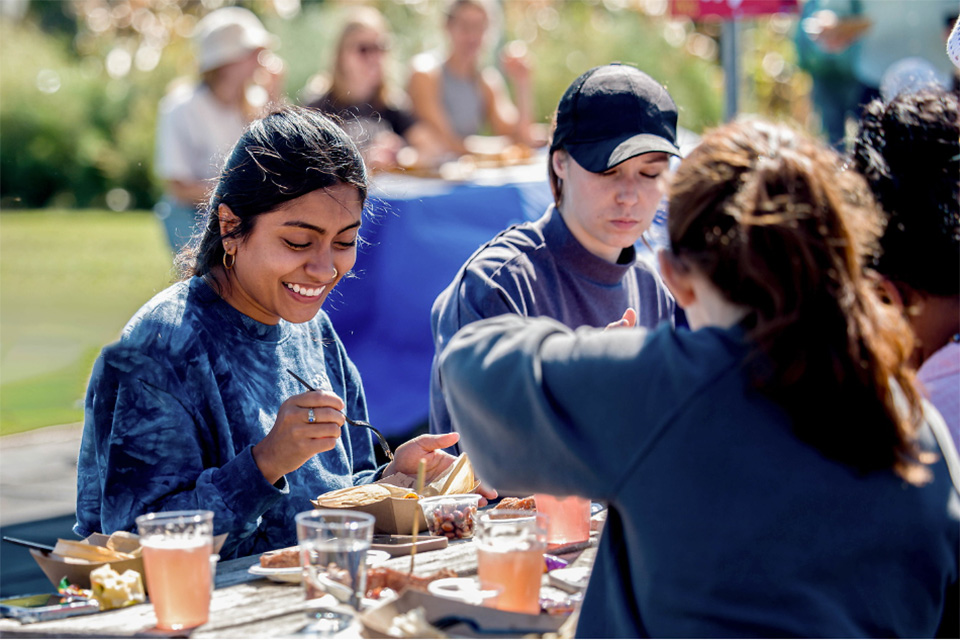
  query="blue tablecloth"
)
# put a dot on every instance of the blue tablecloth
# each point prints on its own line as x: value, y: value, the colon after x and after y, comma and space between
x: 419, y: 233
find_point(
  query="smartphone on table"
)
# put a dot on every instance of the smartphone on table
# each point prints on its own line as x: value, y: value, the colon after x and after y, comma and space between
x: 46, y: 606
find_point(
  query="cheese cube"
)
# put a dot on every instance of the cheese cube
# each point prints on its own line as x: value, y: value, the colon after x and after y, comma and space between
x: 114, y: 590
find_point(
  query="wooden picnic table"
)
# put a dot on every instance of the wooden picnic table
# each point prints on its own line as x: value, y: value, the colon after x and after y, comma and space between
x: 248, y: 606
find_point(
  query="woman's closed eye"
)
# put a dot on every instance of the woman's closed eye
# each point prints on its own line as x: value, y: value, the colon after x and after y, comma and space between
x: 297, y: 246
x: 652, y: 175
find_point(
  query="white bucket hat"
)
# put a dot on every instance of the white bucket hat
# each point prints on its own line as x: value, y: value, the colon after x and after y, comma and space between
x: 953, y: 44
x: 227, y: 35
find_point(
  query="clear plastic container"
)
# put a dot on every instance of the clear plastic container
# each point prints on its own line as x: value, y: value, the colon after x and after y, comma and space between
x: 453, y: 516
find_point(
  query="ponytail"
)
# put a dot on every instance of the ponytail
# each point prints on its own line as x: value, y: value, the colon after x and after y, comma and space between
x: 779, y: 227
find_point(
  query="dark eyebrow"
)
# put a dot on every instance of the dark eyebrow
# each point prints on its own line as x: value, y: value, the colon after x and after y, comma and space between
x: 320, y: 230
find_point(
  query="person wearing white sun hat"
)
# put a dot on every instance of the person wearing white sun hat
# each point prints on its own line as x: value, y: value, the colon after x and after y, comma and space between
x: 199, y: 122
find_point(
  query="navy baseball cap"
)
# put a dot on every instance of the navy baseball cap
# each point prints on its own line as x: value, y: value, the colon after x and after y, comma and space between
x: 613, y: 113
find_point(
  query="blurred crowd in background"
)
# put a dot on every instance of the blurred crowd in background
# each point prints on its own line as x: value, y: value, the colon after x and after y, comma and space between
x: 82, y: 78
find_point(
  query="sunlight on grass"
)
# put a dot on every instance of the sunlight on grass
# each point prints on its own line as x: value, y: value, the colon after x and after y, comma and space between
x: 69, y: 281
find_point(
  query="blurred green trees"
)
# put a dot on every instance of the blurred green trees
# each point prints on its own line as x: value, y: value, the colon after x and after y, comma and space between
x: 80, y: 80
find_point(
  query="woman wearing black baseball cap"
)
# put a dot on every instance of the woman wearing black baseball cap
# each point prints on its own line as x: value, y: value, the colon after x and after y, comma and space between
x: 615, y: 130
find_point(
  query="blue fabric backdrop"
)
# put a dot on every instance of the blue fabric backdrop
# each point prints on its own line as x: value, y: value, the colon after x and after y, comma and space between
x: 419, y: 233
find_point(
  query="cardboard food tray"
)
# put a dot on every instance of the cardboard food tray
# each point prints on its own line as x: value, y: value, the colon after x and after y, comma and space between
x: 377, y: 621
x: 396, y: 515
x: 77, y: 571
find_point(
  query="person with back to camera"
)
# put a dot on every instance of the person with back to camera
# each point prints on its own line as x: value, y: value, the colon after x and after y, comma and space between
x: 615, y: 131
x: 459, y: 97
x: 358, y: 93
x: 769, y: 473
x: 198, y: 124
x: 194, y: 407
x: 909, y: 151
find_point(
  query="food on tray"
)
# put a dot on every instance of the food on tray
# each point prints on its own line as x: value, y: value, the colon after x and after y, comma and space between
x: 281, y: 558
x: 457, y: 478
x: 520, y: 504
x: 361, y: 495
x: 90, y: 552
x: 114, y: 590
x: 380, y: 578
x: 67, y: 588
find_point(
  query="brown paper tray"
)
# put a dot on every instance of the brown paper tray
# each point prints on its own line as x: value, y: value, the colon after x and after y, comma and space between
x: 77, y: 571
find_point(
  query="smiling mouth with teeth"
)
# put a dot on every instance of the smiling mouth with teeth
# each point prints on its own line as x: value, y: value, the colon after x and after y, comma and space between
x: 305, y: 291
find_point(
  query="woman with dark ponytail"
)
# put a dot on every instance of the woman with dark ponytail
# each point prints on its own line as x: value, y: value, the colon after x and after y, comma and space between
x: 768, y: 473
x: 194, y: 407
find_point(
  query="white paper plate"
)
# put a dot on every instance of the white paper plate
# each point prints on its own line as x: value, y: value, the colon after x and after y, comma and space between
x: 292, y: 574
x: 277, y: 574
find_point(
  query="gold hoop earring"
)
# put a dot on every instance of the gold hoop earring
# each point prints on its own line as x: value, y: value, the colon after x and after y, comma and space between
x: 335, y: 273
x: 232, y: 262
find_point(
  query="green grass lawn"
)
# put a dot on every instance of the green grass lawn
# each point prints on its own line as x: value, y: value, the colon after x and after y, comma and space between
x: 69, y: 281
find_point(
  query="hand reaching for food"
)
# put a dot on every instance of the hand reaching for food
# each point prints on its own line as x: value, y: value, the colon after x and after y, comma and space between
x: 429, y: 448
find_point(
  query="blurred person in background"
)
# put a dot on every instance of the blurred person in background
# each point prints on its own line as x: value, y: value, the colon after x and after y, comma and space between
x: 358, y: 93
x: 769, y: 473
x: 827, y: 49
x: 901, y: 29
x: 615, y: 132
x: 198, y: 123
x: 460, y: 97
x: 909, y: 151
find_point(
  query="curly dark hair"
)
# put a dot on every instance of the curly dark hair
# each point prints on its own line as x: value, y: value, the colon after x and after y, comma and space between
x: 773, y: 220
x: 909, y: 151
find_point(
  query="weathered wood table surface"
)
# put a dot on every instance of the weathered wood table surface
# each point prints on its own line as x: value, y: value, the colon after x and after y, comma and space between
x: 245, y: 605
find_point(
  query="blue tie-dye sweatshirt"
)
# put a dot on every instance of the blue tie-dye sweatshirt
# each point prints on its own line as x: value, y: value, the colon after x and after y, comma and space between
x: 174, y: 408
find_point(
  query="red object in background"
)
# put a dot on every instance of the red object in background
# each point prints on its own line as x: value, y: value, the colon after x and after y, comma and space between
x: 728, y: 9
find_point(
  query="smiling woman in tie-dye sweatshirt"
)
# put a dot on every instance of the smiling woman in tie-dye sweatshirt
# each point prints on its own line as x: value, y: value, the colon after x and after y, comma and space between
x: 193, y: 408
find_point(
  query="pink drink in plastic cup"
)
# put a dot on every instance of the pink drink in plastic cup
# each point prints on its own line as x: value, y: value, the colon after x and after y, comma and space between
x: 176, y: 548
x: 510, y: 546
x: 178, y: 580
x: 517, y: 573
x: 569, y: 518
